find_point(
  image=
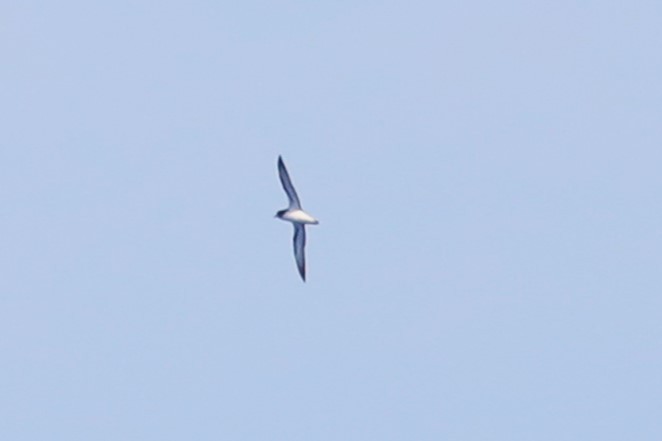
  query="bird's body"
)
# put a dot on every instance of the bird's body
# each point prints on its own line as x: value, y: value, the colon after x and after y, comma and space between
x: 299, y: 217
x: 295, y: 214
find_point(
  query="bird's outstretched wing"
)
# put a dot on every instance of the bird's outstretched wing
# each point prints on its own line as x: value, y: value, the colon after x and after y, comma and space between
x: 287, y: 185
x: 299, y: 245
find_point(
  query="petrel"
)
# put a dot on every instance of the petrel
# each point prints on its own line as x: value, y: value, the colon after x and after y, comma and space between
x: 297, y: 216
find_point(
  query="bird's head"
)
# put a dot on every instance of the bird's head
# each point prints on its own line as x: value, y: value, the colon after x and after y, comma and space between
x: 280, y: 214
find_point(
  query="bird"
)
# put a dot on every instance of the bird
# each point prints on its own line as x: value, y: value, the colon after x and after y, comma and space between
x: 295, y: 214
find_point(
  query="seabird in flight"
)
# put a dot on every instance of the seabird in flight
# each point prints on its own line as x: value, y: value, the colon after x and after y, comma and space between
x: 297, y: 216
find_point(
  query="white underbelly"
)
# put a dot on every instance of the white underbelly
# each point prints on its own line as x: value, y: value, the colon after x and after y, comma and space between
x: 299, y: 216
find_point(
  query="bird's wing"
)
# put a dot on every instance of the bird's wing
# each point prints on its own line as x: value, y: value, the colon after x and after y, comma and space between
x: 299, y: 245
x: 287, y: 185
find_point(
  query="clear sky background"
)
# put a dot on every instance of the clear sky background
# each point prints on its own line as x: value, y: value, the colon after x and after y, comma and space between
x: 488, y: 177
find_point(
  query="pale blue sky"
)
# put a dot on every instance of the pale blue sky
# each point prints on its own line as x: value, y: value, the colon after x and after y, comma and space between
x: 488, y: 180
